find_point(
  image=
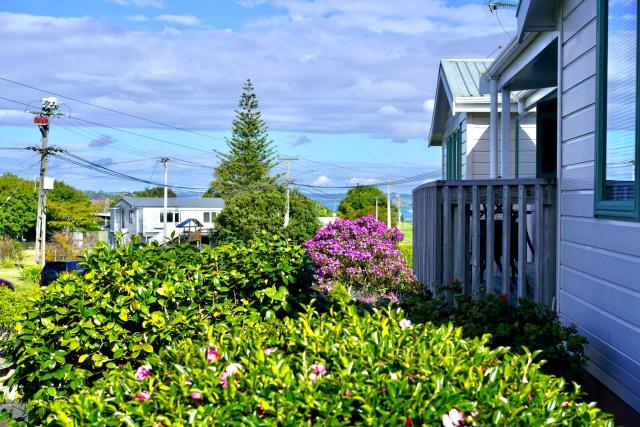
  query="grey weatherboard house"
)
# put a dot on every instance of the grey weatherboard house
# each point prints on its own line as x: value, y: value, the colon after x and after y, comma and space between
x: 570, y: 237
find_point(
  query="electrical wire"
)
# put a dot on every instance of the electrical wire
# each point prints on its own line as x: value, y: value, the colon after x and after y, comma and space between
x: 111, y: 109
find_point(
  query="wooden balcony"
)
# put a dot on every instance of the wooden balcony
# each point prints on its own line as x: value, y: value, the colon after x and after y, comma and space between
x: 460, y: 233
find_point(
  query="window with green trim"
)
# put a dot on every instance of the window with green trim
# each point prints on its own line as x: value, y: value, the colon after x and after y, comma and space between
x: 454, y: 160
x: 616, y: 189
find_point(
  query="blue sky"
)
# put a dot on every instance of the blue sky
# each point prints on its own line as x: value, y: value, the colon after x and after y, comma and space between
x: 347, y: 86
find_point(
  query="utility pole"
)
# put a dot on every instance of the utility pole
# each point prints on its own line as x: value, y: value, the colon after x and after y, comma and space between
x: 287, y: 181
x: 165, y: 163
x: 376, y: 209
x: 388, y: 203
x: 49, y: 108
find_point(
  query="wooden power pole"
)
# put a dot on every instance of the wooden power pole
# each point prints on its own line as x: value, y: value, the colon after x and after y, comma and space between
x: 42, y: 119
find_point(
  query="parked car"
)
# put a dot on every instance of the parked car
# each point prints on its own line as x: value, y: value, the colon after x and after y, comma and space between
x: 7, y: 284
x: 52, y: 270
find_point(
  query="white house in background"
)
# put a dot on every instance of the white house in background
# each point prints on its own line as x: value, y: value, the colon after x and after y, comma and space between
x: 460, y: 124
x: 145, y: 215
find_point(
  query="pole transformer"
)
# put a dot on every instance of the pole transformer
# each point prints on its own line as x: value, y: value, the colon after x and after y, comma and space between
x: 287, y: 181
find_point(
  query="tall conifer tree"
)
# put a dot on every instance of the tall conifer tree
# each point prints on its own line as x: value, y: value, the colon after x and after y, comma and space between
x: 251, y: 155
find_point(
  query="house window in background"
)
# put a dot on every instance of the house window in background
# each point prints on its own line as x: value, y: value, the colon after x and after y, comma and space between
x: 131, y: 217
x: 161, y: 216
x: 617, y: 105
x: 176, y: 217
x: 169, y: 216
x: 207, y: 217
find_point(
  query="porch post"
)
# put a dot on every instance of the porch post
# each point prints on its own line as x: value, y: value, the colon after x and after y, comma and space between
x: 505, y: 118
x: 493, y: 130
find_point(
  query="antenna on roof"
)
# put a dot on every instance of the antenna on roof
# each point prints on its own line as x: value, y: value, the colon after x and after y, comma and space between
x: 495, y: 5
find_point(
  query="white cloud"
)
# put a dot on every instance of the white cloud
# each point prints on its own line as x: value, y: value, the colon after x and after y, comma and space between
x: 390, y: 110
x: 322, y: 180
x: 363, y: 181
x: 13, y: 116
x: 321, y: 73
x: 251, y: 3
x: 188, y: 20
x: 428, y: 105
x: 137, y: 18
x: 140, y: 3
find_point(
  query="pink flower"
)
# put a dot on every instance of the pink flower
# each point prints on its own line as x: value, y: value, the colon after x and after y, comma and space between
x: 317, y: 371
x: 143, y: 372
x: 474, y: 414
x: 212, y: 355
x: 145, y: 395
x: 564, y: 404
x: 453, y: 418
x: 267, y: 351
x: 346, y: 393
x: 404, y: 324
x: 196, y: 396
x: 230, y: 371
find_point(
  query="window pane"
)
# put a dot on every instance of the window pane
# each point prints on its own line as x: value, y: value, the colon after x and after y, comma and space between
x: 621, y: 101
x: 169, y: 216
x: 176, y: 217
x: 207, y: 217
x: 161, y: 216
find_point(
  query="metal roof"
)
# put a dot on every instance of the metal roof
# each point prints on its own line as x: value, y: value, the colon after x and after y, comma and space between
x: 175, y: 202
x: 462, y: 76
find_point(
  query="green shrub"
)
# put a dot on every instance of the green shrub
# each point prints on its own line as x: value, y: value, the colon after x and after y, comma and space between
x: 30, y: 274
x: 338, y: 368
x: 135, y: 299
x: 407, y: 252
x: 527, y: 325
x: 12, y: 307
x: 248, y: 213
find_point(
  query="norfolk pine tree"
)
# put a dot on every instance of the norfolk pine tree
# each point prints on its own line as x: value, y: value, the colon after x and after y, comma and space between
x: 250, y: 157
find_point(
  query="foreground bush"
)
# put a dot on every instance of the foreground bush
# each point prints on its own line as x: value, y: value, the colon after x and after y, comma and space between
x: 135, y: 299
x: 12, y: 305
x: 339, y: 368
x: 362, y: 255
x: 527, y: 325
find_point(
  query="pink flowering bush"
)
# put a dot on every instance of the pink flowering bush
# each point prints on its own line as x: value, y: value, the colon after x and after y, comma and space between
x: 338, y: 368
x: 362, y: 255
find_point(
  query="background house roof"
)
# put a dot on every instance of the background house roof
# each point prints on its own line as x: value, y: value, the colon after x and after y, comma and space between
x: 174, y: 202
x: 462, y: 76
x: 457, y: 78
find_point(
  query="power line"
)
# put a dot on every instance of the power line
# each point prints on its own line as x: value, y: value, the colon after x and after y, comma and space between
x: 111, y: 109
x: 121, y: 130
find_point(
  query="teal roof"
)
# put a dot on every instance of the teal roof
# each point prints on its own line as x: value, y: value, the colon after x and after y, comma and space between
x: 462, y: 76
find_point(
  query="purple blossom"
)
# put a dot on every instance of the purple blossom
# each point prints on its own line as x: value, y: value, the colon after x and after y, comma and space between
x: 143, y: 372
x: 362, y: 255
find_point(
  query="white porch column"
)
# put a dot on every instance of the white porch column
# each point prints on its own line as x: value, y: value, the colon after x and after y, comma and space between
x: 493, y: 130
x: 505, y: 119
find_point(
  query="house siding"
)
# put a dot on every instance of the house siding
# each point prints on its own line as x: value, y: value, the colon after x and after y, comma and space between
x: 478, y: 147
x: 599, y: 261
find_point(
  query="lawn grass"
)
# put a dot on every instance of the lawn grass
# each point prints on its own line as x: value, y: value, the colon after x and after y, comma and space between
x: 406, y: 246
x: 13, y: 273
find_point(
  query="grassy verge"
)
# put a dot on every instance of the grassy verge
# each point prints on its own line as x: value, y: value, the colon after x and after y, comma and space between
x: 13, y: 273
